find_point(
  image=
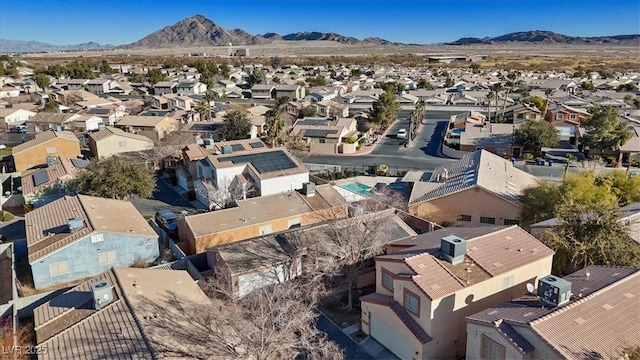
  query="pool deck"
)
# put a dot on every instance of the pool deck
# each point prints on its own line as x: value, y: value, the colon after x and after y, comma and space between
x: 370, y: 181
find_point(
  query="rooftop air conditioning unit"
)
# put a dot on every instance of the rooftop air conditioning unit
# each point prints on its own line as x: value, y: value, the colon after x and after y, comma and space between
x: 75, y: 224
x: 102, y: 293
x: 309, y: 188
x: 453, y: 249
x: 554, y: 291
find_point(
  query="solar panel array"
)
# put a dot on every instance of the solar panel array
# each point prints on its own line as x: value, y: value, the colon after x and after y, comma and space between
x: 256, y: 145
x: 318, y: 133
x: 237, y: 147
x: 40, y: 177
x: 205, y: 127
x: 98, y: 111
x: 79, y: 163
x: 265, y: 162
x: 314, y: 122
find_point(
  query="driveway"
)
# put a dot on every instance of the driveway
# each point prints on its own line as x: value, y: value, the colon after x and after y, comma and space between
x: 163, y: 198
x: 351, y: 349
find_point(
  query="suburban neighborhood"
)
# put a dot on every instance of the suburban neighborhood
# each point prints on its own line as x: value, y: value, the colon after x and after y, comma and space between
x: 207, y: 207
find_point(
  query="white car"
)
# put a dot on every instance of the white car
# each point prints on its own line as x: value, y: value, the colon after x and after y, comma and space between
x: 402, y: 134
x: 3, y: 147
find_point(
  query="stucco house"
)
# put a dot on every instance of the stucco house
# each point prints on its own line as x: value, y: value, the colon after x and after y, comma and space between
x: 191, y: 88
x: 567, y: 119
x: 480, y: 188
x: 165, y: 87
x: 110, y: 141
x: 431, y: 282
x: 294, y: 92
x: 12, y: 117
x: 8, y: 91
x: 41, y: 186
x: 44, y: 121
x: 89, y: 321
x: 153, y: 127
x: 326, y: 135
x: 100, y: 86
x: 49, y: 143
x: 260, y: 216
x: 494, y: 137
x: 596, y: 317
x: 263, y: 91
x: 79, y: 236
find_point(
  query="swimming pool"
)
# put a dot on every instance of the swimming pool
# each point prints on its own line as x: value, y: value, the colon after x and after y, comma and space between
x: 358, y: 188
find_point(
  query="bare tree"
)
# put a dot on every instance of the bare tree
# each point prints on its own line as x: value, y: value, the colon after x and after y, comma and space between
x: 225, y: 193
x: 276, y: 322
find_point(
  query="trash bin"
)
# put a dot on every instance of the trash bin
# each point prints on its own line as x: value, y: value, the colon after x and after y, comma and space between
x: 550, y: 162
x: 540, y: 162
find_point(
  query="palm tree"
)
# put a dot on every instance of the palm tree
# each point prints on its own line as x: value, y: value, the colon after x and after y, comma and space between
x: 209, y: 97
x: 547, y: 93
x: 202, y: 109
x: 274, y: 124
x: 496, y: 88
x: 511, y: 83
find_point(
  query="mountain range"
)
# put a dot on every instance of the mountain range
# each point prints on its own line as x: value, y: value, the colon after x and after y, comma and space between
x: 198, y: 30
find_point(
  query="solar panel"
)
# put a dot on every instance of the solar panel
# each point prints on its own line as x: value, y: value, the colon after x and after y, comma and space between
x: 205, y: 127
x: 237, y: 147
x: 79, y: 163
x: 314, y: 122
x: 264, y: 162
x: 256, y: 145
x: 98, y: 111
x: 40, y: 177
x: 318, y: 133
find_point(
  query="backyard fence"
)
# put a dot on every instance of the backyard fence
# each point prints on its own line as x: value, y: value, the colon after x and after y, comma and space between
x: 344, y: 172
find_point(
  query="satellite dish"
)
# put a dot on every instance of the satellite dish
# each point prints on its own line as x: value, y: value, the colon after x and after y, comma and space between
x: 530, y: 288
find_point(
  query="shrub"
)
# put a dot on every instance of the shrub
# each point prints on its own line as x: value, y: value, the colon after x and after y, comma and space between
x: 140, y: 263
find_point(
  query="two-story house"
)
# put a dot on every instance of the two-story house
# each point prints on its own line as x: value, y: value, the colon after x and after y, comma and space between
x: 100, y: 86
x: 79, y: 236
x: 77, y: 84
x: 41, y: 186
x: 567, y: 119
x: 591, y: 313
x: 480, y: 188
x: 263, y: 91
x: 49, y: 143
x: 191, y: 88
x: 153, y: 127
x: 165, y: 87
x: 294, y: 92
x: 522, y: 112
x: 427, y: 285
x: 327, y: 135
x: 110, y: 141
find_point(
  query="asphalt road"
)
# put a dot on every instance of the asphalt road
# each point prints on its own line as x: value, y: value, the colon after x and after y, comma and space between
x: 163, y: 198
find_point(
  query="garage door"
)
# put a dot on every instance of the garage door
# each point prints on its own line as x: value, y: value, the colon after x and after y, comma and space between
x: 388, y: 337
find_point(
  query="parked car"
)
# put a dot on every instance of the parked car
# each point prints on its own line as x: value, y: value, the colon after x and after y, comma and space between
x: 168, y: 221
x: 19, y: 129
x: 382, y: 170
x: 402, y: 134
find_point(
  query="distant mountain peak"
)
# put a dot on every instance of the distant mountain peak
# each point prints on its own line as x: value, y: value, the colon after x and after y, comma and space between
x: 549, y: 37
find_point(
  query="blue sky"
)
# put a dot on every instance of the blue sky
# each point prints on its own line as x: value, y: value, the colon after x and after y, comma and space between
x: 412, y: 21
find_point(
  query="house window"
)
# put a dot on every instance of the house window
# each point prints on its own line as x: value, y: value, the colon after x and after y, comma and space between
x: 491, y: 350
x: 559, y: 116
x: 265, y: 229
x: 572, y: 116
x: 322, y: 141
x: 59, y: 268
x: 511, y: 222
x: 411, y: 302
x: 464, y: 217
x: 107, y: 257
x: 387, y: 280
x: 97, y: 238
x: 52, y: 150
x: 487, y: 220
x: 122, y: 144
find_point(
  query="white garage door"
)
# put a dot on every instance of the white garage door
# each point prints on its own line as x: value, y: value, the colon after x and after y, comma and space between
x: 388, y: 337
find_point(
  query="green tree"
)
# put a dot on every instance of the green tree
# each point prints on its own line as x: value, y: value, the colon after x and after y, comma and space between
x: 475, y: 67
x: 448, y: 82
x: 276, y: 80
x: 283, y: 100
x: 257, y: 77
x: 202, y: 109
x: 605, y: 131
x: 208, y: 97
x: 104, y: 67
x: 154, y: 76
x: 538, y: 102
x: 317, y: 80
x: 307, y: 111
x: 42, y: 80
x: 627, y: 87
x: 590, y: 235
x: 236, y: 125
x: 538, y: 202
x: 424, y: 84
x: 587, y: 85
x: 51, y: 106
x: 274, y: 124
x: 536, y: 135
x: 116, y: 178
x: 547, y: 94
x: 636, y: 103
x: 356, y: 72
x: 224, y: 71
x: 385, y: 109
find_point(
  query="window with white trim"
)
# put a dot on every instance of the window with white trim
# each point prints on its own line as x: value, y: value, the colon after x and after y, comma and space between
x: 491, y: 350
x: 511, y: 222
x: 487, y: 220
x: 107, y: 257
x: 387, y: 280
x: 59, y: 268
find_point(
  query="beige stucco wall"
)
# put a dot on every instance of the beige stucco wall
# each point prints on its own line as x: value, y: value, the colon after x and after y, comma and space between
x: 37, y: 155
x: 111, y: 145
x: 474, y: 343
x: 475, y: 202
x: 386, y: 315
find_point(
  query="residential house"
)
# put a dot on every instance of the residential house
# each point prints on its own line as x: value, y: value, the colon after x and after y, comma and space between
x: 165, y: 87
x: 41, y: 186
x: 497, y: 138
x: 591, y: 313
x: 631, y: 148
x: 12, y: 117
x: 332, y: 108
x: 294, y: 92
x: 228, y: 84
x: 109, y: 115
x: 181, y: 102
x: 85, y: 123
x: 293, y: 107
x: 69, y: 97
x: 49, y: 143
x: 573, y: 101
x: 270, y: 171
x: 45, y: 121
x: 460, y: 121
x: 567, y: 119
x: 463, y: 99
x: 153, y: 127
x: 77, y: 84
x: 258, y: 110
x: 8, y: 91
x: 327, y: 135
x: 79, y: 236
x: 426, y: 288
x: 522, y: 112
x: 480, y: 188
x: 98, y: 102
x: 100, y: 86
x: 111, y: 141
x: 260, y: 216
x: 266, y: 260
x: 90, y: 320
x: 191, y: 88
x: 263, y: 91
x: 191, y: 155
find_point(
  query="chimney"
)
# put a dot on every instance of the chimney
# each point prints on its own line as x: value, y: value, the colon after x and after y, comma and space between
x: 102, y: 293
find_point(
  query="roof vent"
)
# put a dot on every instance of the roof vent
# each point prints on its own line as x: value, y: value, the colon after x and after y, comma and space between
x: 308, y: 188
x: 75, y: 224
x: 453, y: 249
x: 227, y: 149
x: 554, y: 291
x: 102, y: 293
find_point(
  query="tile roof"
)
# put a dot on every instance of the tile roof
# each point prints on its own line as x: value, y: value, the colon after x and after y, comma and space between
x: 70, y: 328
x: 44, y: 137
x: 63, y: 169
x: 480, y: 168
x: 602, y: 316
x: 491, y: 251
x: 47, y: 231
x: 514, y: 337
x: 111, y: 131
x: 51, y: 118
x: 401, y: 313
x: 143, y: 121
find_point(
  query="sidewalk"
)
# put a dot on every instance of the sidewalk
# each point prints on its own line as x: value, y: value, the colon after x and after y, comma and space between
x: 370, y: 148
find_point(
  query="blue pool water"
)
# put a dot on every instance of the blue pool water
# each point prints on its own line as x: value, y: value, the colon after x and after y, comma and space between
x: 357, y: 187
